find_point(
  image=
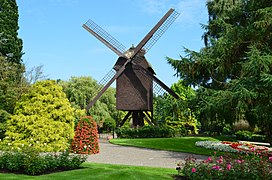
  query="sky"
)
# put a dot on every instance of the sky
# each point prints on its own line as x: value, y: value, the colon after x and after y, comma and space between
x: 53, y: 36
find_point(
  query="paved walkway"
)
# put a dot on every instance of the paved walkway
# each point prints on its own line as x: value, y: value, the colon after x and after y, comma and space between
x: 115, y: 154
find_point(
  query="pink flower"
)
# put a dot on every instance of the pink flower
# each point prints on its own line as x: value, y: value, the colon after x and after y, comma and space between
x: 193, y: 170
x: 214, y: 153
x: 216, y: 167
x: 228, y: 167
x: 270, y: 158
x: 239, y: 161
x: 209, y: 159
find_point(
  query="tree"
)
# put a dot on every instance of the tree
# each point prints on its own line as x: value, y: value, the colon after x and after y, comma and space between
x: 12, y: 82
x: 176, y: 113
x: 43, y: 118
x: 11, y: 46
x: 81, y: 90
x: 11, y: 87
x: 233, y: 70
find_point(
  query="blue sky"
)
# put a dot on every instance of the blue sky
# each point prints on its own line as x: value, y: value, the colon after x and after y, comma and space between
x: 53, y: 36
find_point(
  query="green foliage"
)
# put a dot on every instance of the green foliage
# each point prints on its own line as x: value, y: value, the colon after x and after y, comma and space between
x: 109, y: 124
x: 249, y: 136
x: 233, y: 70
x: 86, y: 137
x: 30, y: 161
x: 81, y: 90
x: 12, y: 85
x: 43, y: 118
x: 145, y: 132
x: 176, y: 113
x: 10, y: 45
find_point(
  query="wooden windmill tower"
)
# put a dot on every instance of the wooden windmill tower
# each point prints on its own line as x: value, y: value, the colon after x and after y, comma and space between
x: 133, y: 74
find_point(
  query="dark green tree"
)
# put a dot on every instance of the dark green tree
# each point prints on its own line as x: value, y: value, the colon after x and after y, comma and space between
x: 233, y: 70
x: 11, y: 46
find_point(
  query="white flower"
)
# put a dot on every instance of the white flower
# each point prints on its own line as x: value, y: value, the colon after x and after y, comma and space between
x: 37, y: 142
x: 18, y: 148
x: 85, y: 146
x: 9, y: 144
x: 22, y: 145
x: 45, y: 144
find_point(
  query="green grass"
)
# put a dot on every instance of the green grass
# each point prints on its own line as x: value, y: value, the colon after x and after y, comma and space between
x: 180, y: 144
x: 101, y: 171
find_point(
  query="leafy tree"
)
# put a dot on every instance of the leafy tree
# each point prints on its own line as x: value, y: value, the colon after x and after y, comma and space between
x: 176, y: 113
x: 11, y: 45
x: 11, y: 87
x: 81, y: 90
x: 43, y: 118
x: 233, y: 70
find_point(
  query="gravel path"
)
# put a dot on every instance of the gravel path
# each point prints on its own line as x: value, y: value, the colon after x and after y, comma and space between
x: 115, y: 154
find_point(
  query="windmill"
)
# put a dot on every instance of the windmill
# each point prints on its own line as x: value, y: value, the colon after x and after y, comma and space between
x: 135, y: 78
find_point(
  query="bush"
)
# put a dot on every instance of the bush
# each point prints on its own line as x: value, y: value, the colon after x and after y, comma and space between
x: 145, y: 132
x: 249, y: 136
x: 86, y: 137
x: 42, y: 118
x: 30, y: 161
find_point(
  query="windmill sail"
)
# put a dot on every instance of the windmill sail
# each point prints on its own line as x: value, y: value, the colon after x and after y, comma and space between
x: 165, y: 25
x: 156, y: 32
x: 104, y: 37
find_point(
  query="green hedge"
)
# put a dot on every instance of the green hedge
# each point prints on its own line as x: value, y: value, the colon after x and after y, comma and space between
x: 145, y: 132
x: 33, y: 163
x: 249, y: 136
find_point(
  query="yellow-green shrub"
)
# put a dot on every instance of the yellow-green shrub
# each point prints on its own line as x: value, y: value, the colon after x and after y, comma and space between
x: 43, y: 118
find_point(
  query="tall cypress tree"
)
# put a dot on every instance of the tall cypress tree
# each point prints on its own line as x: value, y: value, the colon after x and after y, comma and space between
x: 11, y: 46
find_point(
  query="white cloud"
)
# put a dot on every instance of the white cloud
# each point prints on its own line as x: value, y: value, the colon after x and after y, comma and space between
x: 154, y: 6
x: 192, y: 11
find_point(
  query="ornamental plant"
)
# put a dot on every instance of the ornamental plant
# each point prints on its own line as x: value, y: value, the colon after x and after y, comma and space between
x: 43, y: 119
x: 230, y: 166
x: 237, y: 147
x: 86, y: 137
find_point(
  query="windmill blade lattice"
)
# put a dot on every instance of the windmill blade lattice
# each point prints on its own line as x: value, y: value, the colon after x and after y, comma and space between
x: 105, y: 37
x: 102, y: 83
x: 158, y: 90
x: 166, y: 24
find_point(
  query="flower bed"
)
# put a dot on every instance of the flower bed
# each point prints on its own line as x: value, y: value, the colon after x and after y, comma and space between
x: 238, y: 147
x: 229, y: 166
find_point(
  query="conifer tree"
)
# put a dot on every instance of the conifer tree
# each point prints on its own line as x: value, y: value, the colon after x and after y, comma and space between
x: 43, y: 118
x: 11, y: 45
x: 233, y: 72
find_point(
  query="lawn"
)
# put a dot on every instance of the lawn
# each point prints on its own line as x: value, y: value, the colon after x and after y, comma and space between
x: 102, y: 171
x: 179, y: 144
